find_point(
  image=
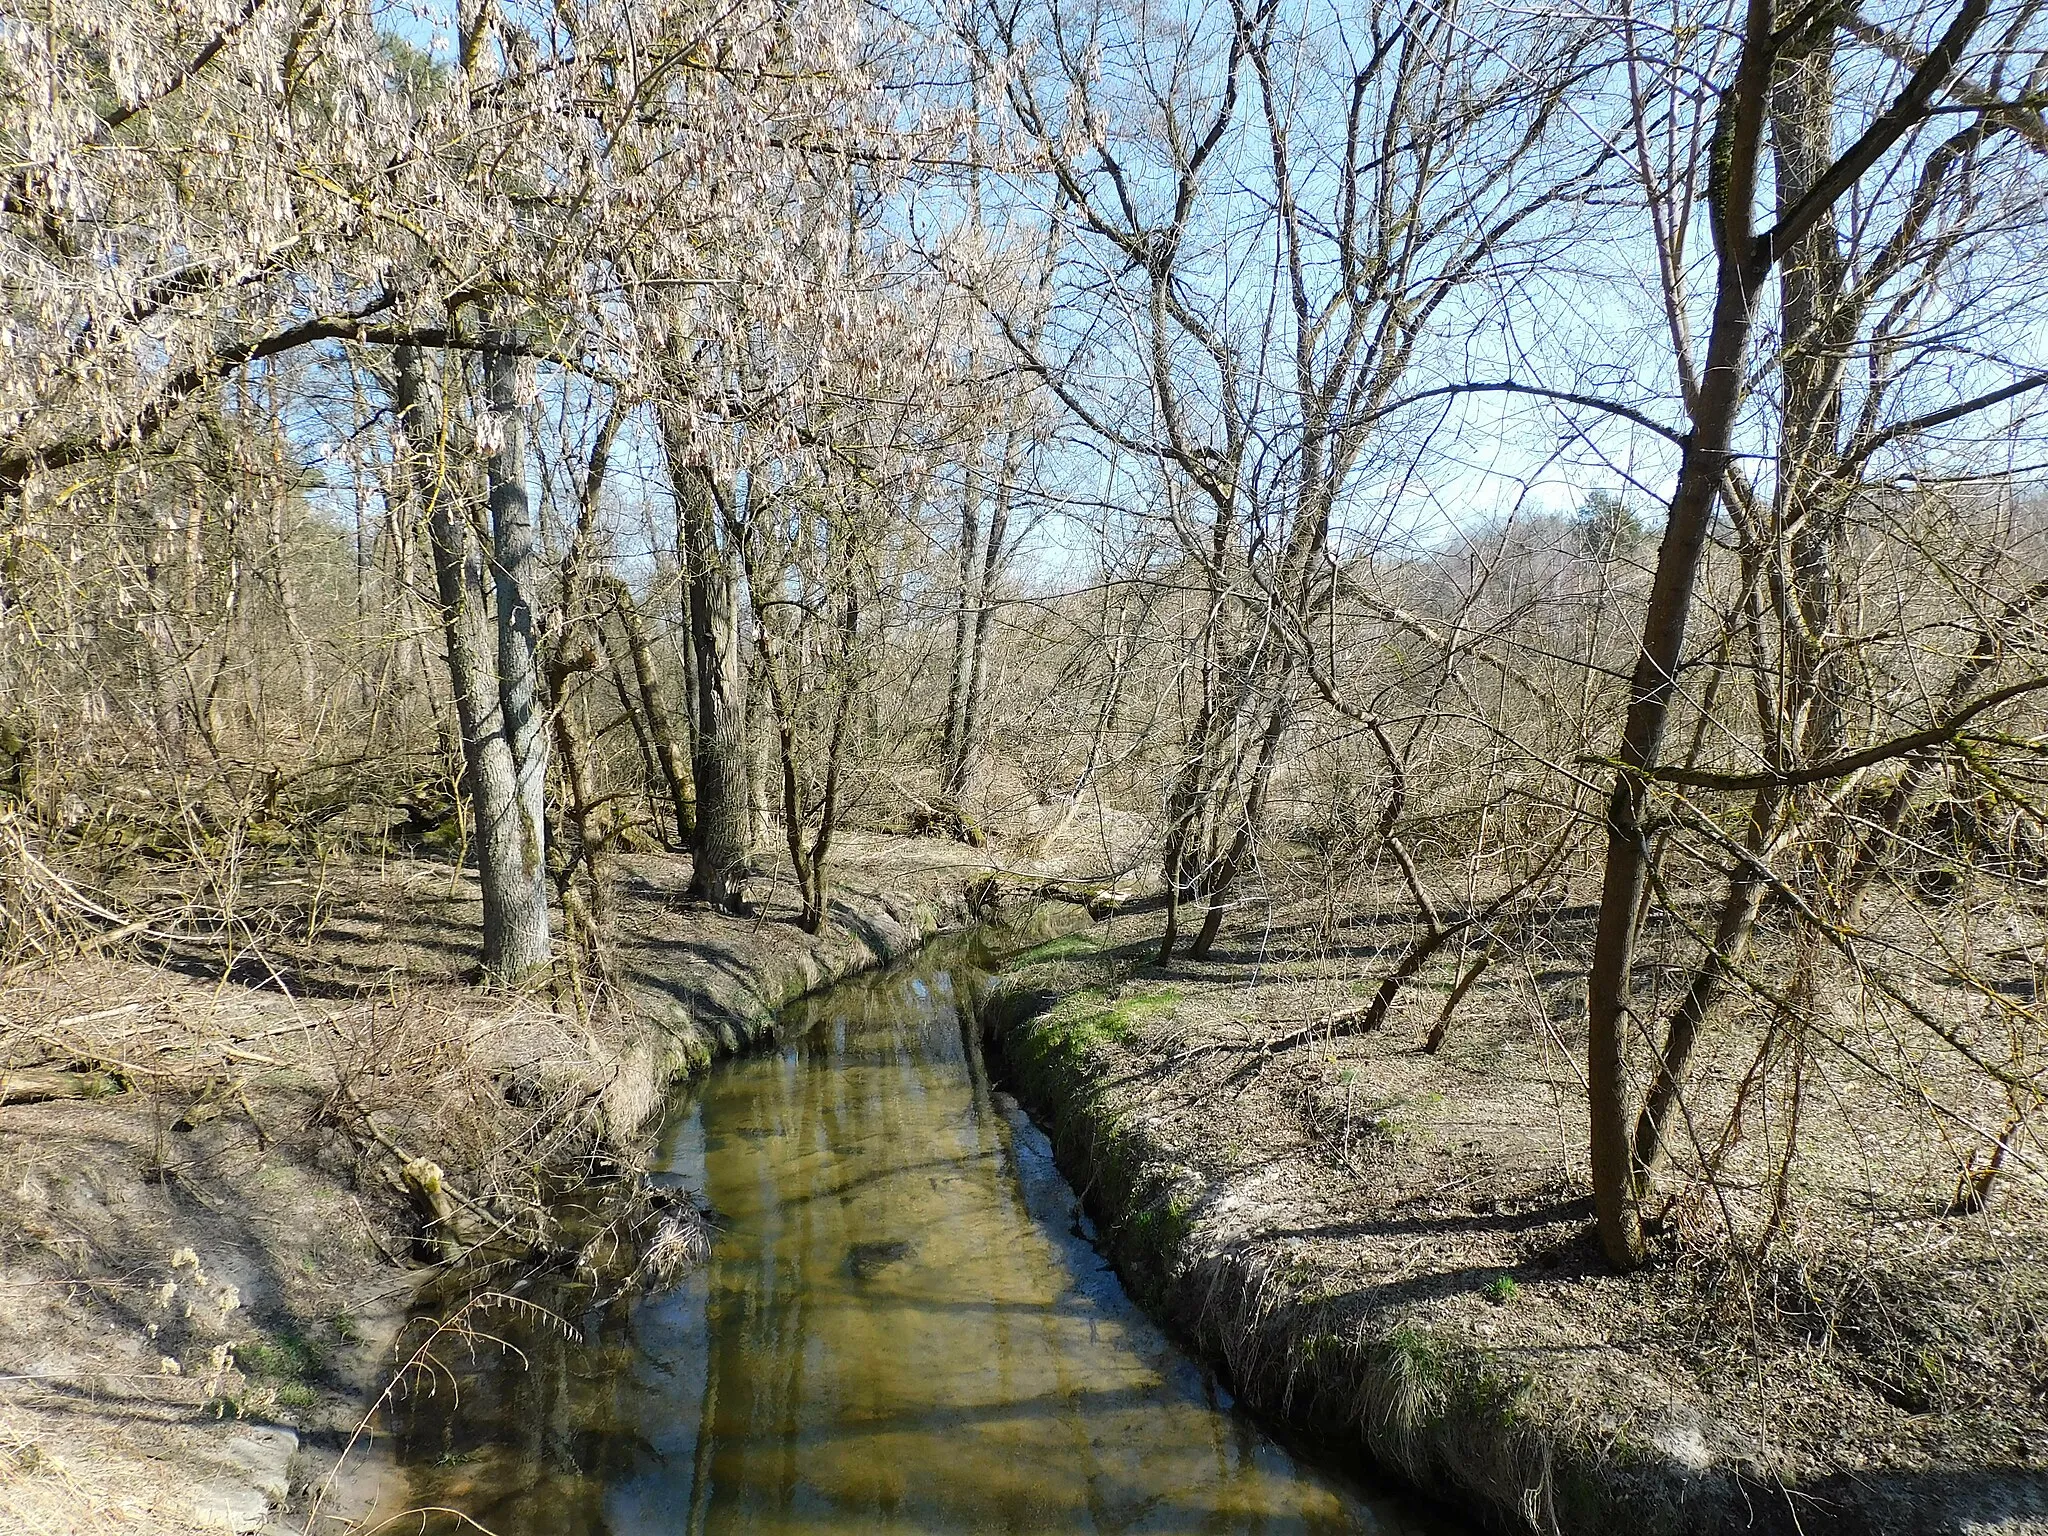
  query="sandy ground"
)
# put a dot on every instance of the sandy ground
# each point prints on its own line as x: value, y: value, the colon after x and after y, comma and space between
x: 206, y: 1248
x: 1393, y: 1249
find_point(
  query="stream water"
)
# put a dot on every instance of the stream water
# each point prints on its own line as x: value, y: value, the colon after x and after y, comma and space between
x: 902, y: 1328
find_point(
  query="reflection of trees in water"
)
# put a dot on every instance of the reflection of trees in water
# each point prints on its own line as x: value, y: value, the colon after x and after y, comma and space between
x: 887, y: 1332
x: 526, y: 1436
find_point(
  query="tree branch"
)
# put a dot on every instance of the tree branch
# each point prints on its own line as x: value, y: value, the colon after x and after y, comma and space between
x: 1894, y: 123
x: 1942, y: 731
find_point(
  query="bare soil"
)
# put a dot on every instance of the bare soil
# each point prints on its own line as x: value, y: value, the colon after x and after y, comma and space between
x: 1391, y: 1248
x: 207, y: 1245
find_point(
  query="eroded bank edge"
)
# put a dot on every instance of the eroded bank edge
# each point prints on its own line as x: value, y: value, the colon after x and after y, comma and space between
x: 1435, y: 1413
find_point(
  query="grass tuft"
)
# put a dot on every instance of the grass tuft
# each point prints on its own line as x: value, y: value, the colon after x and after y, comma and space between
x: 1072, y: 946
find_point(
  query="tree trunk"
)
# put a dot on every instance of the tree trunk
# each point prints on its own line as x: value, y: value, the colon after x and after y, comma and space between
x: 279, y: 560
x: 490, y: 773
x: 686, y: 665
x: 760, y: 727
x: 835, y: 749
x: 650, y: 765
x: 964, y: 633
x: 808, y: 850
x: 591, y: 828
x: 524, y: 946
x: 1252, y: 823
x: 660, y: 726
x: 722, y: 838
x: 1732, y: 930
x: 162, y: 665
x: 1740, y: 274
x: 1745, y: 258
x: 984, y: 618
x: 1190, y: 787
x: 1809, y: 292
x: 410, y: 664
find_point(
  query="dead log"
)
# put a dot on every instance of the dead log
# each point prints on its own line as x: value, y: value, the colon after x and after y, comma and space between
x: 44, y: 1085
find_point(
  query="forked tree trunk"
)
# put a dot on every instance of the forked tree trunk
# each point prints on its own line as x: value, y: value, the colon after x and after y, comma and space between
x: 1706, y: 457
x: 809, y: 849
x: 1809, y: 300
x: 981, y: 561
x: 723, y: 837
x: 1733, y: 927
x: 524, y: 946
x: 1745, y: 258
x: 490, y: 773
x: 975, y: 707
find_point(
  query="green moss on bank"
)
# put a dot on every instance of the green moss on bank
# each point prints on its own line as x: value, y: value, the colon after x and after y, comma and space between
x: 1069, y: 946
x: 1091, y: 1018
x: 1448, y: 1416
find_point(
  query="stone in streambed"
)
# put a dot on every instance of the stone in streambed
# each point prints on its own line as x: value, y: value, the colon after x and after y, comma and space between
x: 867, y: 1260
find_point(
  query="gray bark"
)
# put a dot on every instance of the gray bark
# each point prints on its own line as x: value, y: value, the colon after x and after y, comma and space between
x: 490, y: 773
x: 984, y: 615
x: 981, y: 559
x: 524, y: 946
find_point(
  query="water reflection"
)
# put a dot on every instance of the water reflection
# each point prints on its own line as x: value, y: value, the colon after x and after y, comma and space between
x: 901, y: 1329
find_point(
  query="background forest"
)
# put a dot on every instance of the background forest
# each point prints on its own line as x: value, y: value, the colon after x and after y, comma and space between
x: 1560, y: 487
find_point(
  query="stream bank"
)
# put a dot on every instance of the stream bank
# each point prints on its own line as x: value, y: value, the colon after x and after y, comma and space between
x: 902, y: 1326
x: 207, y: 1243
x: 1361, y: 1240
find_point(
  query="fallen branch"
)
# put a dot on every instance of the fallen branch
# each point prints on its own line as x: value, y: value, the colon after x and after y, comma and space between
x: 46, y: 1085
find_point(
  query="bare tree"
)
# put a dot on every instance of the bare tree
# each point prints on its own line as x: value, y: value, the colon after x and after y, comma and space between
x: 707, y: 535
x: 1776, y: 98
x: 1403, y: 158
x: 510, y: 848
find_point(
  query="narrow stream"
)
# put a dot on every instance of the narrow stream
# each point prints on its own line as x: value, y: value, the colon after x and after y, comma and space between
x: 902, y: 1328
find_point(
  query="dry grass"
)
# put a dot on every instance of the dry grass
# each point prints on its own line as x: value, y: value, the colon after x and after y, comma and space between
x: 261, y: 1071
x: 1367, y: 1231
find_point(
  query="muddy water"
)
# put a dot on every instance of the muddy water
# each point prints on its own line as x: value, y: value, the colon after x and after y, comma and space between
x: 902, y: 1328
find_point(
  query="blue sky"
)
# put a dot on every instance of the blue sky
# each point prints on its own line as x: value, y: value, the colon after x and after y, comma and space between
x: 1589, y: 321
